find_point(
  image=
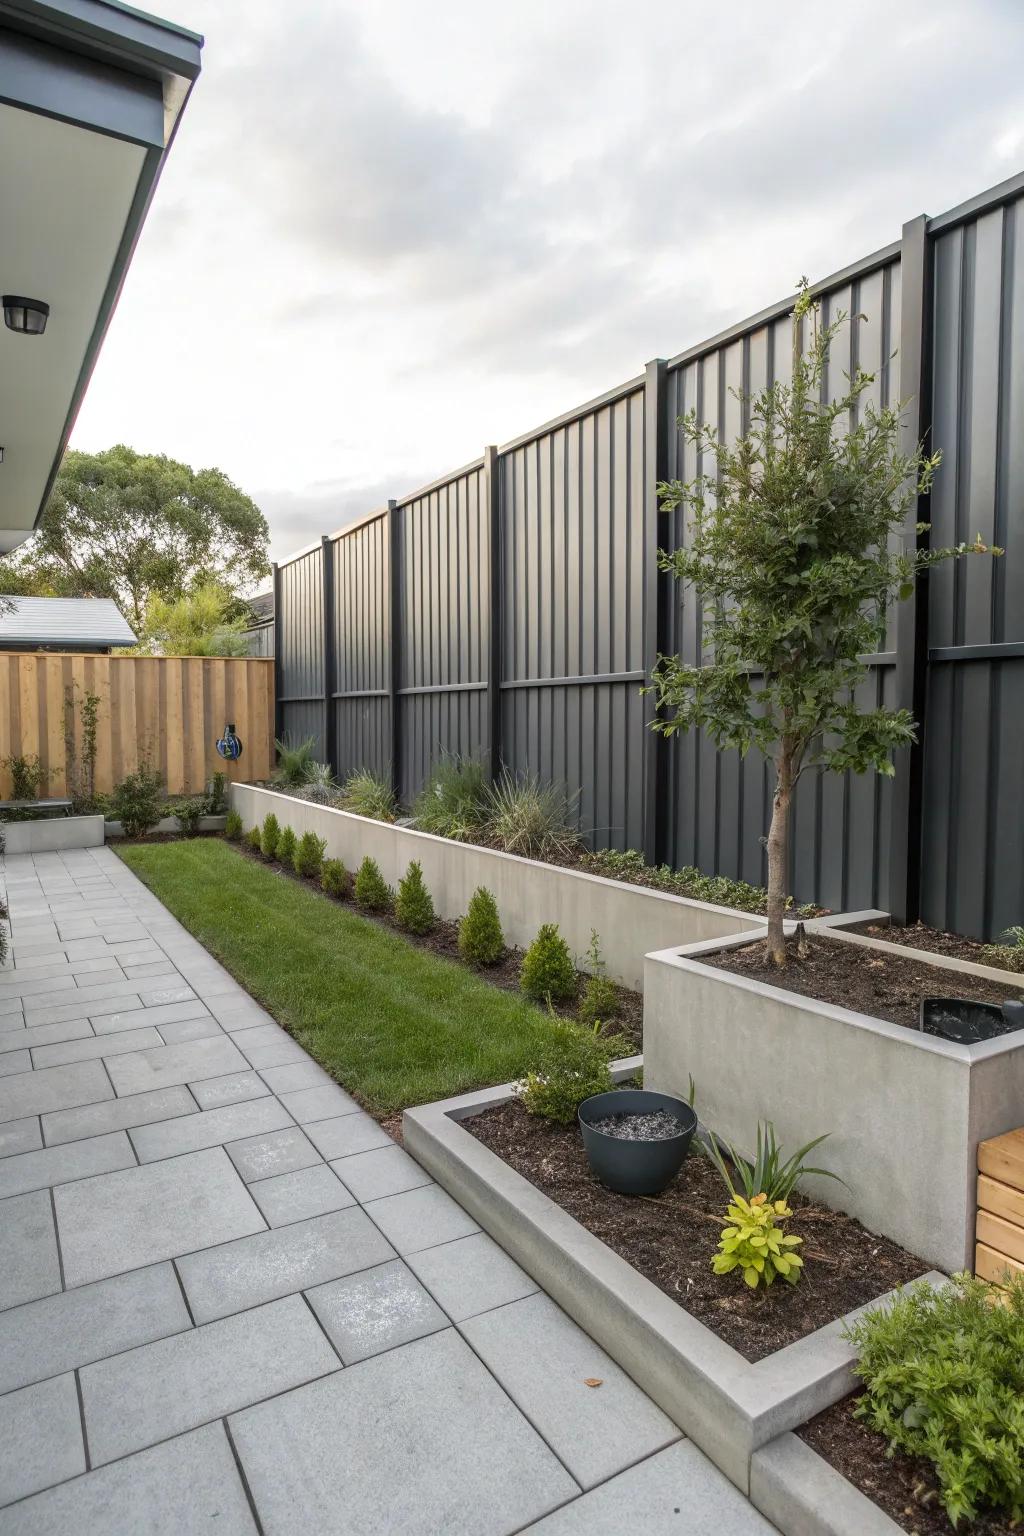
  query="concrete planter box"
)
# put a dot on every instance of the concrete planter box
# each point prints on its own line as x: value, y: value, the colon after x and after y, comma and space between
x: 905, y: 1110
x: 53, y: 834
x: 170, y: 824
x: 727, y: 1406
x: 803, y: 1495
x: 629, y: 919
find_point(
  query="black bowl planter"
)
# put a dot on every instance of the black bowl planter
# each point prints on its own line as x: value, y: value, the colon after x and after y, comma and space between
x: 628, y: 1163
x: 968, y: 1022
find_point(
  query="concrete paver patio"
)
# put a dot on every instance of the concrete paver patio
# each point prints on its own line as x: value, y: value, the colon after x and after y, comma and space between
x: 229, y: 1303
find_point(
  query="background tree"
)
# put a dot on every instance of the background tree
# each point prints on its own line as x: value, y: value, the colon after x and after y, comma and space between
x: 209, y: 621
x: 795, y: 551
x: 127, y: 525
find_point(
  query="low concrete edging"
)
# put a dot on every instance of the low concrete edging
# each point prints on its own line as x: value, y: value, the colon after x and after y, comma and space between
x: 905, y: 1111
x: 169, y: 824
x: 52, y: 834
x: 729, y: 1407
x: 802, y: 1494
x: 630, y: 919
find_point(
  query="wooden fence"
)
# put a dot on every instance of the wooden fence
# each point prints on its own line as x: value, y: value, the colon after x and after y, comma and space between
x: 165, y: 710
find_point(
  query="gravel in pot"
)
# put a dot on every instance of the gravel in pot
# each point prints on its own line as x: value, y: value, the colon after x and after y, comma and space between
x: 636, y: 1139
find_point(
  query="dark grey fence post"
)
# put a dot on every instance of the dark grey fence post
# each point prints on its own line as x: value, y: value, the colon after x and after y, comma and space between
x: 911, y: 617
x: 394, y: 639
x: 329, y: 651
x: 275, y: 573
x: 655, y: 768
x: 492, y: 493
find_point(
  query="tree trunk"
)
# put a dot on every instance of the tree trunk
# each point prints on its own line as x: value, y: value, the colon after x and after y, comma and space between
x: 778, y: 860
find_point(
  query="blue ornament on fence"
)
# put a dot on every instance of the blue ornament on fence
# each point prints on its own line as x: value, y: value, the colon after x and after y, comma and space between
x: 230, y: 746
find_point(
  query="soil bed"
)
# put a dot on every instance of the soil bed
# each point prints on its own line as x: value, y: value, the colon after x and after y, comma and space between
x: 898, y: 1485
x: 920, y: 936
x: 671, y: 1238
x: 881, y: 985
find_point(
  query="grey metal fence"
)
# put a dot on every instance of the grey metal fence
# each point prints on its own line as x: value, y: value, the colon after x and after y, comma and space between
x: 514, y: 608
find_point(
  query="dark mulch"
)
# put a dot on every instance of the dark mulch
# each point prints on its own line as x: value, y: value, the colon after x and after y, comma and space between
x: 672, y: 1237
x: 903, y: 1486
x: 868, y: 981
x: 920, y: 936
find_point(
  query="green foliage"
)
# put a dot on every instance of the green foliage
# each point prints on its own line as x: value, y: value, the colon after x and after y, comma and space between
x: 270, y: 836
x: 254, y: 839
x: 1008, y: 954
x: 368, y: 794
x: 293, y: 761
x: 756, y: 1242
x: 334, y: 878
x: 320, y: 775
x: 454, y: 801
x: 371, y: 890
x: 233, y: 827
x: 414, y: 907
x: 187, y: 813
x: 137, y: 802
x: 768, y: 1174
x: 531, y: 818
x: 548, y: 972
x: 126, y: 525
x: 216, y: 799
x: 481, y: 940
x: 628, y: 864
x: 309, y: 855
x: 28, y: 776
x: 573, y: 1066
x: 600, y: 1000
x: 208, y: 620
x: 943, y: 1372
x: 286, y: 847
x: 81, y: 773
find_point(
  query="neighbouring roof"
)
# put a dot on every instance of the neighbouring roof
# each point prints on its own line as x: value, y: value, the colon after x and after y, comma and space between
x: 261, y: 606
x: 65, y: 621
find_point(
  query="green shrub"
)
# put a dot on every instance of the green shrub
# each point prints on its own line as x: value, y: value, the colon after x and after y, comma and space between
x: 573, y: 1066
x: 320, y: 775
x: 454, y: 801
x: 1008, y: 954
x: 600, y: 995
x: 371, y: 889
x: 756, y: 1242
x: 28, y: 776
x: 270, y: 836
x: 481, y: 940
x: 334, y: 878
x: 629, y: 865
x: 414, y: 908
x: 216, y: 798
x: 286, y: 847
x: 188, y: 813
x: 767, y: 1175
x: 253, y: 839
x: 367, y: 794
x: 309, y: 855
x: 233, y: 827
x: 530, y: 818
x: 293, y: 761
x: 137, y: 802
x: 943, y: 1372
x: 547, y: 971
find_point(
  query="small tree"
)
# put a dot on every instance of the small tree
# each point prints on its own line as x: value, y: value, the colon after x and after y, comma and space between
x: 794, y: 548
x: 414, y: 906
x: 481, y: 940
x: 308, y: 857
x: 547, y: 972
x: 270, y: 836
x: 371, y: 890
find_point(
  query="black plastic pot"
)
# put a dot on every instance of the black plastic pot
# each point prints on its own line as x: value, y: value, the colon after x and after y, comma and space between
x: 635, y: 1167
x: 967, y: 1021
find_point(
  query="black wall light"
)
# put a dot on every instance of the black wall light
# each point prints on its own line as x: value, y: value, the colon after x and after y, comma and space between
x: 26, y: 315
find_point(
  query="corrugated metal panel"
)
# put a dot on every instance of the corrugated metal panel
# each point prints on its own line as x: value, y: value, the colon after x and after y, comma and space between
x: 300, y: 677
x: 973, y: 832
x: 70, y: 621
x: 572, y: 605
x: 362, y: 640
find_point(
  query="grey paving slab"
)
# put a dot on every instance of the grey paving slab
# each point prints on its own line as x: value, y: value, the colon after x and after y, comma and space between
x: 169, y: 993
x: 275, y: 1053
x: 14, y: 984
x: 241, y: 1274
x: 146, y: 1018
x: 11, y: 1015
x: 29, y: 1262
x: 471, y: 1275
x: 170, y: 1064
x: 596, y: 1431
x: 20, y: 1039
x: 235, y: 1088
x: 102, y: 985
x: 296, y: 1074
x: 421, y: 1218
x: 72, y: 1328
x: 377, y: 1309
x: 125, y: 1220
x: 296, y: 1196
x: 20, y: 1136
x: 34, y: 1093
x: 347, y: 1134
x: 178, y: 1383
x: 282, y: 1151
x: 384, y: 1171
x: 40, y: 1438
x: 15, y: 1062
x: 239, y: 1013
x: 117, y: 1114
x: 321, y: 1103
x: 211, y: 1128
x: 456, y: 1457
x: 77, y: 1008
x: 61, y: 1165
x: 675, y: 1492
x: 94, y: 1047
x: 142, y: 968
x: 189, y: 1029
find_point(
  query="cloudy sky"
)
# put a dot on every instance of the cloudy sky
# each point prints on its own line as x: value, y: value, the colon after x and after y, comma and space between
x: 391, y: 232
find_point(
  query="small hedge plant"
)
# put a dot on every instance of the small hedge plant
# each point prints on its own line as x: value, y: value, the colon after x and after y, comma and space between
x: 233, y: 827
x: 572, y: 1066
x: 270, y: 836
x: 188, y: 813
x: 548, y: 973
x: 481, y: 940
x: 253, y: 839
x: 371, y: 889
x: 137, y: 802
x: 600, y: 999
x: 286, y: 847
x: 309, y: 855
x: 414, y: 908
x: 943, y: 1372
x: 334, y: 878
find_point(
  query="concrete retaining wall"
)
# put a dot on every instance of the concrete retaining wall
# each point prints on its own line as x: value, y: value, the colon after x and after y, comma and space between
x: 629, y: 919
x: 52, y: 834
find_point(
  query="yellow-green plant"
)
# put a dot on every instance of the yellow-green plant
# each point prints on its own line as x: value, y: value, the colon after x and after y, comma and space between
x: 756, y: 1242
x: 233, y: 827
x: 286, y: 847
x: 270, y: 836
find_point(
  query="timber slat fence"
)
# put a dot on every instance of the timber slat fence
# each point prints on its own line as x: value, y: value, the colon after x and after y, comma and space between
x: 165, y: 710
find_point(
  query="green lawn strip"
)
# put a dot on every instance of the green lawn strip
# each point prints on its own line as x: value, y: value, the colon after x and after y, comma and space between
x: 395, y: 1024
